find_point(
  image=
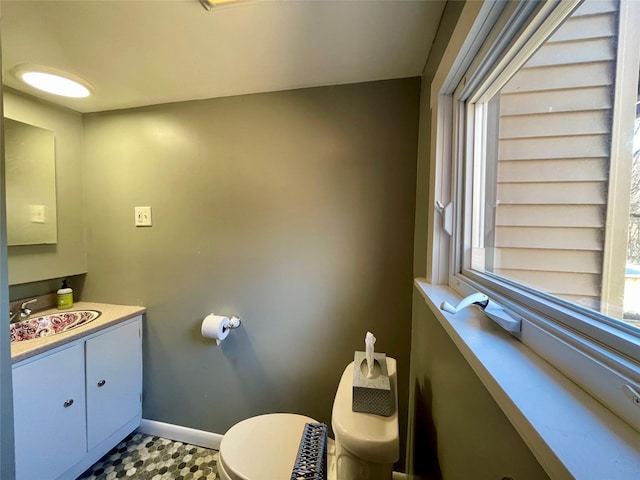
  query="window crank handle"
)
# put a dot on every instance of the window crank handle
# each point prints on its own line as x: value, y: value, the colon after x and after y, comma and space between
x: 474, y: 299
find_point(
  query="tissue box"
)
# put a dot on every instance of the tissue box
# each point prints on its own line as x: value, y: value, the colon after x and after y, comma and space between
x: 371, y: 395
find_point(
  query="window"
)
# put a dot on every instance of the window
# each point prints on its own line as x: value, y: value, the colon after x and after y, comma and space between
x: 632, y: 271
x: 550, y: 171
x: 545, y: 181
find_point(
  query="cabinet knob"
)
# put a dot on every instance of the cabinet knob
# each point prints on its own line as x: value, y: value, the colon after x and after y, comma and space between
x: 101, y: 383
x: 68, y: 403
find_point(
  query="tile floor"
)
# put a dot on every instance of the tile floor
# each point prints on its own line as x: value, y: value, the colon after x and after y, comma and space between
x: 146, y: 457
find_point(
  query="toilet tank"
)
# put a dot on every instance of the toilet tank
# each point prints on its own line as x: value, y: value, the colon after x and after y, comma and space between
x: 365, y: 436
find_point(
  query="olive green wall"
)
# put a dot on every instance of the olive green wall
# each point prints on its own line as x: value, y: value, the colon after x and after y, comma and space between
x: 459, y: 432
x: 456, y: 429
x: 30, y: 263
x: 293, y: 210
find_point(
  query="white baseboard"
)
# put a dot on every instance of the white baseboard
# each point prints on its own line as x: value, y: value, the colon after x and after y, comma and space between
x: 399, y: 476
x: 181, y: 434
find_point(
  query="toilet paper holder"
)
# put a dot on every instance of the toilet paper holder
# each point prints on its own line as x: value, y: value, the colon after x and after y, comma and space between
x: 218, y: 327
x: 234, y: 322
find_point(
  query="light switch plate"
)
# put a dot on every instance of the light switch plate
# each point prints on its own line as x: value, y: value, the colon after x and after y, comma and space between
x: 38, y: 214
x: 143, y: 216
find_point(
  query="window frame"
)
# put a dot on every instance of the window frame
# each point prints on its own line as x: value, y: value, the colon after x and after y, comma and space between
x: 599, y: 355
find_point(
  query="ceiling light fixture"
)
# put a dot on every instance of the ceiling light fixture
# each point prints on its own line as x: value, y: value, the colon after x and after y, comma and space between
x: 208, y: 4
x: 53, y: 81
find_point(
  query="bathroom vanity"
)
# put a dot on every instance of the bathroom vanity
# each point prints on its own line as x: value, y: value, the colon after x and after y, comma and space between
x: 77, y: 394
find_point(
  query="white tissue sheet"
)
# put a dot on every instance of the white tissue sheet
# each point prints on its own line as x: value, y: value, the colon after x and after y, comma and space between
x: 369, y: 342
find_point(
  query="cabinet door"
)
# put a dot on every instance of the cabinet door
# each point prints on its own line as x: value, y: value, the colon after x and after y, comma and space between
x: 49, y: 414
x: 114, y: 380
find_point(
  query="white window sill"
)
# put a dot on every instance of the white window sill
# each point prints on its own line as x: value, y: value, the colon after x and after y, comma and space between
x: 569, y: 432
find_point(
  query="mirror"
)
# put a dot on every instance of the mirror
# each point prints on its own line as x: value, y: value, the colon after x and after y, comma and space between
x: 30, y: 176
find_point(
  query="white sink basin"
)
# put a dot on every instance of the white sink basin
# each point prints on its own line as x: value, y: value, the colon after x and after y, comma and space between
x: 50, y: 324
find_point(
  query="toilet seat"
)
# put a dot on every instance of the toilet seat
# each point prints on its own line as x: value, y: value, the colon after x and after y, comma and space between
x: 261, y: 448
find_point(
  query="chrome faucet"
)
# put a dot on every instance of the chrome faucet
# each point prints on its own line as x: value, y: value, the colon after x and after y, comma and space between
x: 23, y: 313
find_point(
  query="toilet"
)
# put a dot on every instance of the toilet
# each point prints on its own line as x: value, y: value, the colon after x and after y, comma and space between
x: 265, y: 447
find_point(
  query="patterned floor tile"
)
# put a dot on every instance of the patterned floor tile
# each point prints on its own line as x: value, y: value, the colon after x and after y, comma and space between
x: 146, y: 457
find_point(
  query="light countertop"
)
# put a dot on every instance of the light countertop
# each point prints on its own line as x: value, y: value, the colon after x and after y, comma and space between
x: 110, y: 315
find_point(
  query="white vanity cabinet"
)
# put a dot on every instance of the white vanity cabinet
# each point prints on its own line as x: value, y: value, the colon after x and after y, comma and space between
x: 72, y: 405
x: 49, y: 414
x: 114, y: 381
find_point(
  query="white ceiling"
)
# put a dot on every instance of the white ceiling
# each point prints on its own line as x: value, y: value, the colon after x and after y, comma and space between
x: 146, y: 52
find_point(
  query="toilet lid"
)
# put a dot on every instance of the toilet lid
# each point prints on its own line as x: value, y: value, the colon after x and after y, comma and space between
x: 263, y: 447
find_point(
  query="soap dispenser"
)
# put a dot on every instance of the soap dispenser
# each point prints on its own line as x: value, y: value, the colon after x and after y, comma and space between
x: 65, y: 296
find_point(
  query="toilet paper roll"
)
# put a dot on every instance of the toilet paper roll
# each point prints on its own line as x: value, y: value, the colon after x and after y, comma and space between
x: 216, y: 327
